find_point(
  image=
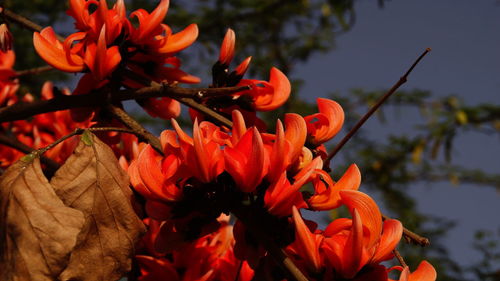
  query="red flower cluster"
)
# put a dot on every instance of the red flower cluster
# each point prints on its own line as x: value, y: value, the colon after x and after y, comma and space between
x: 185, y: 189
x: 108, y: 41
x: 190, y: 189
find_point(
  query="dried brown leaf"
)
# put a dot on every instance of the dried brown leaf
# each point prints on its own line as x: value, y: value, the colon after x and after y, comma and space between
x: 92, y: 181
x: 37, y: 231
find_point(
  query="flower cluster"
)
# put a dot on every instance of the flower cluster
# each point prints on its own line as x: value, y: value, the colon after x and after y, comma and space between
x: 217, y: 171
x: 42, y: 129
x: 108, y: 42
x: 216, y: 200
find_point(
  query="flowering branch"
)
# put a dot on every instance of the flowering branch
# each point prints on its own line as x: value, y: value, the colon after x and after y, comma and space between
x: 23, y: 110
x: 26, y: 23
x: 189, y: 99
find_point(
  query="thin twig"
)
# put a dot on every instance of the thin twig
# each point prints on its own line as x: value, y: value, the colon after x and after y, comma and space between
x: 34, y: 71
x: 400, y: 258
x: 79, y: 131
x: 132, y: 124
x: 25, y: 23
x: 412, y: 236
x: 372, y: 110
x: 16, y: 144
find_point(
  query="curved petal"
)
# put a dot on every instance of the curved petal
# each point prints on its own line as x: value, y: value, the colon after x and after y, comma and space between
x: 281, y: 89
x: 241, y: 69
x: 201, y: 154
x: 353, y: 251
x: 279, y: 155
x: 51, y: 51
x: 296, y: 133
x: 307, y: 241
x: 391, y: 235
x: 227, y: 47
x: 424, y: 272
x: 324, y: 125
x: 149, y: 22
x: 180, y: 40
x: 239, y: 127
x: 368, y: 211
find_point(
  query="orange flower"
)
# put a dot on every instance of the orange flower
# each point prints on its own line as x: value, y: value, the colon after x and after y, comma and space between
x: 247, y: 162
x: 227, y: 48
x: 152, y: 176
x: 324, y: 125
x: 201, y: 154
x: 6, y: 38
x: 351, y: 244
x: 326, y: 195
x: 281, y: 196
x: 148, y: 23
x: 54, y: 53
x: 221, y: 76
x: 307, y: 243
x: 267, y: 96
x: 424, y: 272
x: 102, y: 60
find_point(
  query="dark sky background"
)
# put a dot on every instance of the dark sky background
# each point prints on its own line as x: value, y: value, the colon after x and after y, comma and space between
x: 465, y: 60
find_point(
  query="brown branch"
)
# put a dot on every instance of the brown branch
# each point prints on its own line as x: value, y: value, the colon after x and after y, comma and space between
x: 23, y: 110
x: 400, y: 258
x: 34, y: 71
x: 190, y: 100
x: 16, y: 144
x: 132, y: 124
x: 372, y: 110
x: 411, y: 236
x: 25, y: 23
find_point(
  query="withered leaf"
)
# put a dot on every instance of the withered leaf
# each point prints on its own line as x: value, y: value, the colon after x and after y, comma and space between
x: 92, y: 181
x: 37, y: 231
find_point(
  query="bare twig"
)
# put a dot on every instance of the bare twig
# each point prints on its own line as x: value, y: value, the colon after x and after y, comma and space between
x: 400, y: 258
x: 24, y: 22
x: 79, y: 131
x: 132, y: 124
x: 372, y: 110
x: 412, y: 236
x: 34, y: 71
x: 16, y: 144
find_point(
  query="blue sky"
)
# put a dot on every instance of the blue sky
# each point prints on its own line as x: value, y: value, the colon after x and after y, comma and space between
x: 465, y: 60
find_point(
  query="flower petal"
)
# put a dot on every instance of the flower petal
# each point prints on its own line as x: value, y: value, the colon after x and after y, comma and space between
x: 368, y: 211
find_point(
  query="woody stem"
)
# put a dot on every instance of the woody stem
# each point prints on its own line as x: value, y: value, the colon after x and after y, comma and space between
x: 132, y: 124
x: 373, y: 109
x: 25, y: 23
